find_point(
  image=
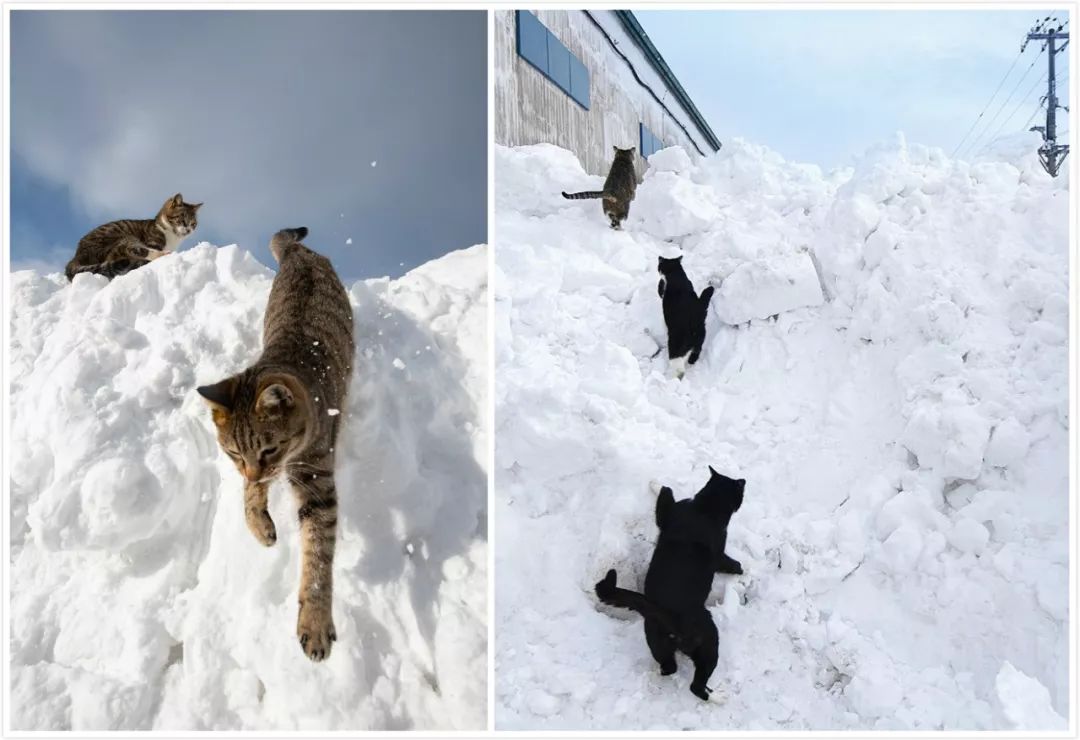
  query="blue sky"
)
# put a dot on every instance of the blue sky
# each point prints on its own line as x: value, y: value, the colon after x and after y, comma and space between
x: 271, y: 118
x: 822, y: 86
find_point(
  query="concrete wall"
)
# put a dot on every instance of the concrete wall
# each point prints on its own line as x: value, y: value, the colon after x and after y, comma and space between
x: 531, y: 109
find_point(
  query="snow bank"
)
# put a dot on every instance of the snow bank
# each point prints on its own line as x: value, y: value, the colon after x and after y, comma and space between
x: 901, y: 421
x: 1027, y: 702
x: 138, y: 598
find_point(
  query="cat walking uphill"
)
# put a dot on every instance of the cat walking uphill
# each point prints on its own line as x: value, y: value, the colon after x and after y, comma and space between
x: 684, y: 314
x: 281, y: 416
x: 619, y: 187
x: 119, y: 247
x: 689, y: 550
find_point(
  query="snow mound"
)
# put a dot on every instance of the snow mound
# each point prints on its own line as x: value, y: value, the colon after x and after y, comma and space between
x: 899, y: 411
x: 1026, y: 702
x: 138, y: 598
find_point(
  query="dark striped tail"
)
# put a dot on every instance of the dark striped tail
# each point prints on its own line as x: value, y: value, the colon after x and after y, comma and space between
x: 284, y: 238
x: 110, y: 270
x: 584, y: 195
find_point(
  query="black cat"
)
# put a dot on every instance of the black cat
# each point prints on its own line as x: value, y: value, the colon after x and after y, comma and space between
x: 693, y: 534
x: 684, y: 314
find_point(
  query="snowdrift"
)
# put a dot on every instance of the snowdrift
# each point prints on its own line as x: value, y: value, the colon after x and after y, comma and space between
x: 138, y: 598
x: 901, y: 420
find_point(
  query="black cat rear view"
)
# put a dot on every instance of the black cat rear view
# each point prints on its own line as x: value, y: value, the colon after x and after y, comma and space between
x: 689, y: 550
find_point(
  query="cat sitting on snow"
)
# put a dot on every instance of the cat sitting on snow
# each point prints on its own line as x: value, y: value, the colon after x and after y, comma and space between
x: 684, y: 314
x: 690, y: 548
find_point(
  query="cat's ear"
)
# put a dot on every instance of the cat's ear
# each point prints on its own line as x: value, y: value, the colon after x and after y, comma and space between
x: 177, y: 200
x: 632, y: 149
x: 714, y: 473
x: 275, y: 400
x: 196, y: 206
x: 219, y: 397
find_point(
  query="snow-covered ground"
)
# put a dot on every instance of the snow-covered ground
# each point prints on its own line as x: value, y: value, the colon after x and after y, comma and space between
x: 902, y: 425
x: 138, y: 598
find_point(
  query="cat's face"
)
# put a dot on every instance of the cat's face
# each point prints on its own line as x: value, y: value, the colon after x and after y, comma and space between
x: 667, y: 264
x: 179, y: 216
x: 261, y: 423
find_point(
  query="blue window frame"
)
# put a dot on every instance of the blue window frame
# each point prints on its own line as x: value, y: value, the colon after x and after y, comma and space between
x: 539, y: 47
x: 650, y: 143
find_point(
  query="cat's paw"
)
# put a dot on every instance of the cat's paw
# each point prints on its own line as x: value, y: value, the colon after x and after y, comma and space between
x: 315, y: 630
x: 718, y: 695
x: 731, y: 567
x: 262, y: 526
x: 701, y: 692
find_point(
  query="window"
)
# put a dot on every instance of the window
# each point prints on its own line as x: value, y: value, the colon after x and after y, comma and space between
x: 539, y: 47
x: 649, y: 142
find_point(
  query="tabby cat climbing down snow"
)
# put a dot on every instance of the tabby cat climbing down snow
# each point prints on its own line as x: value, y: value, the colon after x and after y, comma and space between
x: 281, y: 416
x: 618, y: 189
x: 119, y: 247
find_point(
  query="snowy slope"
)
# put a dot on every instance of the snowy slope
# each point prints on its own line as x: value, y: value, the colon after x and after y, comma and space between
x: 138, y: 598
x: 902, y: 426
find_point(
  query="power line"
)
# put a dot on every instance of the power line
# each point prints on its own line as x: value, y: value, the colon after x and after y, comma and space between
x: 1026, y: 98
x: 1038, y: 108
x: 988, y: 102
x: 1018, y: 83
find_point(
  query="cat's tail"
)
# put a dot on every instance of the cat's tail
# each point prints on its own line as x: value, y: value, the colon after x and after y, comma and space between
x: 706, y: 296
x: 284, y: 238
x: 584, y: 195
x: 612, y: 595
x: 112, y: 269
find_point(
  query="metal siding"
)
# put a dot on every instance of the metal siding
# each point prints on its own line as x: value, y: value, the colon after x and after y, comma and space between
x: 531, y: 110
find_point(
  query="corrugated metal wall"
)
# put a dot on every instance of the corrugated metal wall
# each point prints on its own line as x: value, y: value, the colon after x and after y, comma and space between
x: 531, y: 109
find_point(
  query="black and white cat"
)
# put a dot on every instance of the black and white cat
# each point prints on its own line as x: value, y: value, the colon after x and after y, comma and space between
x: 689, y: 550
x: 684, y: 314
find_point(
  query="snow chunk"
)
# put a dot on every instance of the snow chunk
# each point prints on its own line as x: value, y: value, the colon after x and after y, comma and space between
x: 1009, y: 443
x: 968, y: 535
x: 759, y: 289
x: 1026, y: 702
x: 949, y: 440
x: 670, y: 159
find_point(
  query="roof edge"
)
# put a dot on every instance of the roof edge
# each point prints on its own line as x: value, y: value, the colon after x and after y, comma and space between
x: 638, y: 35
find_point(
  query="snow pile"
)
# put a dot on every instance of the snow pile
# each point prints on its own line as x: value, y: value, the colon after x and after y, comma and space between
x: 901, y: 420
x: 138, y: 598
x: 1027, y: 702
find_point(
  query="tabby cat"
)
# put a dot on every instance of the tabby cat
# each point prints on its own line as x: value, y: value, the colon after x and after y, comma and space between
x: 618, y: 189
x: 282, y: 415
x: 121, y: 246
x: 689, y: 550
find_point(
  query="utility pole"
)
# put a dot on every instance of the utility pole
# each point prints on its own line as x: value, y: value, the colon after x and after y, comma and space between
x: 1051, y: 153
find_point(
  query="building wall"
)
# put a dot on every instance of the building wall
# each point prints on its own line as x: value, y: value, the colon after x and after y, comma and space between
x: 531, y: 109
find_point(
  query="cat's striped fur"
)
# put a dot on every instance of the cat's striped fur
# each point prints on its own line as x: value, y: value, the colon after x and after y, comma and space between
x: 119, y: 247
x: 282, y: 414
x: 619, y: 188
